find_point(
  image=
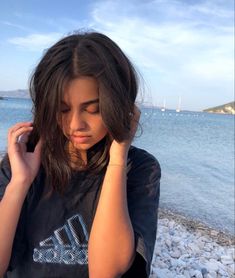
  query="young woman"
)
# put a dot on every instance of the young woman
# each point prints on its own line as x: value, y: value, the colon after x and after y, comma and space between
x: 77, y: 200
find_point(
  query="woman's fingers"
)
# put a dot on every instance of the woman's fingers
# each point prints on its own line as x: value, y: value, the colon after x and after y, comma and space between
x: 20, y: 134
x: 137, y: 112
x: 19, y: 125
x: 23, y: 138
x: 135, y: 119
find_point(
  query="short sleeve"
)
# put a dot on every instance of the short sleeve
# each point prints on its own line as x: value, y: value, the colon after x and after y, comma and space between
x: 143, y: 191
x: 5, y: 175
x: 19, y: 243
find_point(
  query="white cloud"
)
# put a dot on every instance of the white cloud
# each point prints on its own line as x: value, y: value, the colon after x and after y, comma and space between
x: 181, y: 46
x: 17, y: 26
x: 36, y: 42
x: 214, y: 8
x: 178, y: 44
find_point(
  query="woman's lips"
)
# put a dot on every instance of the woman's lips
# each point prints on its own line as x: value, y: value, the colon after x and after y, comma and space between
x: 80, y: 139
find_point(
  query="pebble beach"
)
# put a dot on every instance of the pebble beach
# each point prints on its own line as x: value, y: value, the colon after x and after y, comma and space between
x: 189, y: 249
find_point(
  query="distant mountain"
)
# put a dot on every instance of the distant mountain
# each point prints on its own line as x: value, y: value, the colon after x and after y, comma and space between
x: 228, y: 108
x: 15, y: 94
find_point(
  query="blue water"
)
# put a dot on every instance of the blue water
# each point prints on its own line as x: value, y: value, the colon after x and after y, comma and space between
x: 12, y: 110
x: 196, y: 153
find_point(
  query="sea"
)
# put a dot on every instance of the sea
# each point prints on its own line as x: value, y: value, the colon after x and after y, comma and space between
x: 195, y: 151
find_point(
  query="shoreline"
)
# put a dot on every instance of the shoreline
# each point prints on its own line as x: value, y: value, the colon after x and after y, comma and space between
x: 192, y: 225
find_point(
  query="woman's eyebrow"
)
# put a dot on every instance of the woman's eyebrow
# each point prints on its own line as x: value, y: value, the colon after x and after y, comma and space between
x: 84, y: 103
x: 90, y: 102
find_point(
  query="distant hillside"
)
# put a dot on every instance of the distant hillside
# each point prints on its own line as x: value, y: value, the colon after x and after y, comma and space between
x: 228, y: 108
x: 16, y: 94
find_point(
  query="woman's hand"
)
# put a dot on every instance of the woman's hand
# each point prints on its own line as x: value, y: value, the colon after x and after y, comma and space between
x: 119, y: 151
x: 24, y: 165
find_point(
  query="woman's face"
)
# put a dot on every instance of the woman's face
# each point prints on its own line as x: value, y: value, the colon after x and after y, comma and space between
x: 81, y: 120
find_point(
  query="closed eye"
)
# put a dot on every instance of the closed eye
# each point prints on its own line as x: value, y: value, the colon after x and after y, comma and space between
x: 92, y: 109
x: 65, y: 110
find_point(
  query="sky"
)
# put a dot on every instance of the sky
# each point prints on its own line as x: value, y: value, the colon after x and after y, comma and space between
x: 181, y: 48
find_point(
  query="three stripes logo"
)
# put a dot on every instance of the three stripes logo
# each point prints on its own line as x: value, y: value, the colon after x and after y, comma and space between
x: 68, y: 245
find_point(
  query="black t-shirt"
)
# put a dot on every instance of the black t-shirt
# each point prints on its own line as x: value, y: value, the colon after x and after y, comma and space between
x: 53, y: 230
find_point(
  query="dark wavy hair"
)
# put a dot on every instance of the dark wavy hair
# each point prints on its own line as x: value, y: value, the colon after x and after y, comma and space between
x: 81, y: 54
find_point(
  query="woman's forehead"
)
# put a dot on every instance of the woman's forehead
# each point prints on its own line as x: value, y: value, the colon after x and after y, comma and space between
x: 82, y: 89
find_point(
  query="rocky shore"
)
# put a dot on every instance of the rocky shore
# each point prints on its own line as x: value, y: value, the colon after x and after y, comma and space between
x: 189, y: 249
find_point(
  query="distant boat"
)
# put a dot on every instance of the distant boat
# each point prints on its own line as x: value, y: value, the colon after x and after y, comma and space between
x: 164, y: 106
x: 179, y: 106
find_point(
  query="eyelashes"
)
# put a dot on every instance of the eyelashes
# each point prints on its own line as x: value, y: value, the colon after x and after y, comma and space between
x: 63, y: 111
x: 90, y: 110
x: 93, y: 109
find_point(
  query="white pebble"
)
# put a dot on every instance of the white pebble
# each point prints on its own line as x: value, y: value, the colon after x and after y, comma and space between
x: 175, y: 254
x: 211, y: 266
x: 232, y: 268
x: 211, y: 274
x: 186, y: 274
x: 226, y: 259
x: 168, y: 243
x: 163, y: 273
x: 231, y: 252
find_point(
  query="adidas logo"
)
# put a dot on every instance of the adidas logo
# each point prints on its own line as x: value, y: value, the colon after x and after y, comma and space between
x: 68, y: 244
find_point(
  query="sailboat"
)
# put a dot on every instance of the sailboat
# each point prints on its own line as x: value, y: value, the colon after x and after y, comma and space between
x: 164, y: 106
x: 179, y: 106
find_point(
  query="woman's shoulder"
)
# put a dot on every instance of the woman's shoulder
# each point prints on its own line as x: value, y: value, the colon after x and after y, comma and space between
x: 142, y: 165
x: 139, y: 156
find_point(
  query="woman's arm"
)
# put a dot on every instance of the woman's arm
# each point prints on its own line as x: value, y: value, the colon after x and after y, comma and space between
x: 24, y: 167
x: 10, y: 208
x: 111, y: 243
x: 111, y: 247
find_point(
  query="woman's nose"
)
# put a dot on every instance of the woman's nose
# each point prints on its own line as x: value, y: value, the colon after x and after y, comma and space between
x: 77, y: 122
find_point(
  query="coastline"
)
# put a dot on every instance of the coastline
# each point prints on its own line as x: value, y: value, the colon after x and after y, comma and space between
x: 21, y: 93
x: 220, y: 237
